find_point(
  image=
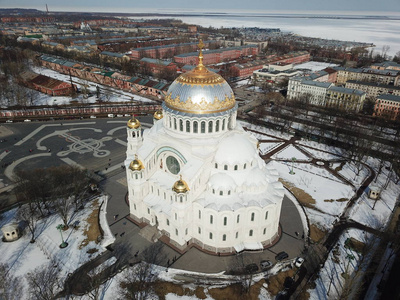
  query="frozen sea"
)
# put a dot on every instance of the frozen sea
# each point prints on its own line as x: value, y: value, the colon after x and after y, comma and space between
x: 379, y: 28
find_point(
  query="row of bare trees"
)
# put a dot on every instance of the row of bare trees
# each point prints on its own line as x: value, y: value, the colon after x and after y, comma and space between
x: 51, y: 190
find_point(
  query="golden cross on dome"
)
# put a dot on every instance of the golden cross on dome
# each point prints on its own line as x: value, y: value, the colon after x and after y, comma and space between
x: 201, y: 46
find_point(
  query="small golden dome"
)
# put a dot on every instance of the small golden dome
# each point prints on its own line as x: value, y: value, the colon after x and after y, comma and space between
x: 158, y: 115
x: 133, y: 123
x: 180, y: 186
x: 136, y: 164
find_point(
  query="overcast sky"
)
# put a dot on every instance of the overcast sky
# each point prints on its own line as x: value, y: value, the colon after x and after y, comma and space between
x: 207, y: 5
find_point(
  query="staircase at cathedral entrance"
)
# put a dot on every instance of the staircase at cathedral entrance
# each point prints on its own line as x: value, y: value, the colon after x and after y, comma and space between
x: 150, y: 233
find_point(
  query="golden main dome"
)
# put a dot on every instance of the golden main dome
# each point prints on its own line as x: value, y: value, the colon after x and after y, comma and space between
x: 136, y: 164
x: 158, y: 115
x: 200, y: 91
x: 180, y: 186
x: 133, y: 123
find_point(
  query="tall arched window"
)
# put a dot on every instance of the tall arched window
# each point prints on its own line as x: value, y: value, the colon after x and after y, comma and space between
x: 195, y: 127
x: 175, y: 126
x: 225, y: 167
x: 217, y: 126
x: 223, y: 124
x: 225, y: 221
x: 210, y: 235
x: 211, y: 219
x: 252, y: 216
x: 187, y: 126
x: 181, y: 125
x: 210, y: 126
x: 203, y: 126
x: 235, y: 168
x: 251, y: 232
x: 224, y: 237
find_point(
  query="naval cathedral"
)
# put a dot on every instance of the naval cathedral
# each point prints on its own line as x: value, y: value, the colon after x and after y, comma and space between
x: 196, y: 176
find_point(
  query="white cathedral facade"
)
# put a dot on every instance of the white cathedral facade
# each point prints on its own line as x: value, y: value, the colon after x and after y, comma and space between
x: 197, y: 175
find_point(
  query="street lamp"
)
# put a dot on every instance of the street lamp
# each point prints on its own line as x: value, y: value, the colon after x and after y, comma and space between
x: 291, y: 171
x: 63, y: 244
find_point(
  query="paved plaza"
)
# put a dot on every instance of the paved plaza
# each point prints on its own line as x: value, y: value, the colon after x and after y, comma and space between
x: 100, y: 146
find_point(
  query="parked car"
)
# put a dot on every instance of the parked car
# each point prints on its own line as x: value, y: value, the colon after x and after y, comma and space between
x: 127, y: 115
x: 298, y: 262
x: 119, y: 116
x: 251, y: 268
x: 110, y: 115
x: 27, y: 120
x: 265, y: 264
x: 93, y: 117
x: 281, y: 256
x: 9, y: 121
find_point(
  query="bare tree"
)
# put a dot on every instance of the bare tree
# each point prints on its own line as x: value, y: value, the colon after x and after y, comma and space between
x: 139, y: 280
x: 29, y: 214
x: 44, y: 282
x: 11, y: 287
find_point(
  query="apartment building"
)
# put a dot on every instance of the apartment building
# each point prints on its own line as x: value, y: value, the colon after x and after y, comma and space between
x: 387, y: 105
x: 373, y: 89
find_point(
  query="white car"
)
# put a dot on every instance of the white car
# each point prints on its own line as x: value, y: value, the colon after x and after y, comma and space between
x: 93, y: 117
x: 119, y: 116
x: 9, y: 121
x: 27, y: 120
x: 298, y: 262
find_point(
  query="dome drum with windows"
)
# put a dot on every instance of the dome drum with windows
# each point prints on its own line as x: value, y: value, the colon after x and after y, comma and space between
x: 200, y: 91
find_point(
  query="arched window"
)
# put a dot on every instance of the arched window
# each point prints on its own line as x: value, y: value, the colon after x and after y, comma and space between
x: 225, y: 167
x: 175, y: 126
x: 199, y: 230
x: 229, y: 192
x: 195, y: 127
x: 235, y: 168
x: 251, y: 232
x: 203, y: 127
x: 221, y: 193
x: 199, y: 214
x: 176, y: 232
x: 211, y: 219
x: 224, y: 237
x: 210, y: 235
x: 252, y: 216
x: 237, y: 235
x: 244, y: 167
x: 167, y: 222
x: 136, y: 177
x: 187, y: 126
x: 225, y: 221
x: 210, y: 126
x: 237, y: 218
x: 265, y: 230
x: 266, y: 215
x: 223, y: 124
x: 170, y: 123
x: 216, y: 165
x: 217, y: 126
x: 181, y: 125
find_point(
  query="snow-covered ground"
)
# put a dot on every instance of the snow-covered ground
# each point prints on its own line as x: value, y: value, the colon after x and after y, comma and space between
x: 115, y: 95
x: 23, y: 257
x: 314, y: 66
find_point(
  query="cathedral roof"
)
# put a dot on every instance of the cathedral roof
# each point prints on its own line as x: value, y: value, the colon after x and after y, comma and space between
x: 235, y: 149
x: 200, y: 91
